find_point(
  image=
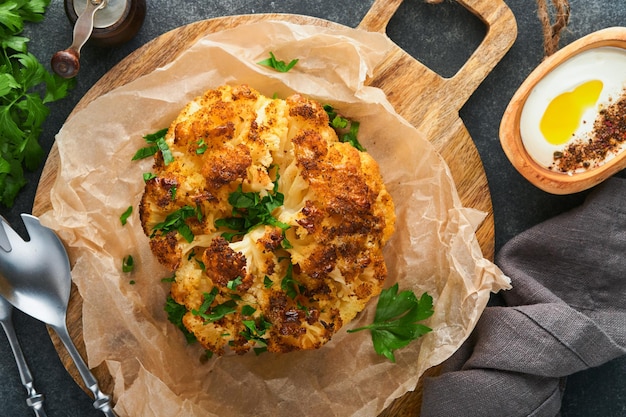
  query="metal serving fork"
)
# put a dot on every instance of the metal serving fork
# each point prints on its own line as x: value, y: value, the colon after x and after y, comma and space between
x: 35, y: 278
x: 35, y: 400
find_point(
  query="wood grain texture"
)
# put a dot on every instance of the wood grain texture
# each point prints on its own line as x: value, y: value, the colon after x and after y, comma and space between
x: 425, y: 99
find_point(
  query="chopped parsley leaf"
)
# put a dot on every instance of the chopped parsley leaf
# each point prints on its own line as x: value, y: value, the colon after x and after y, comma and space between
x: 340, y: 124
x: 202, y: 147
x: 156, y: 142
x: 279, y: 66
x: 255, y: 330
x: 169, y: 279
x: 128, y: 264
x: 124, y: 217
x: 290, y: 285
x: 251, y: 210
x: 247, y: 310
x: 175, y: 313
x: 233, y: 284
x: 176, y: 221
x: 214, y: 313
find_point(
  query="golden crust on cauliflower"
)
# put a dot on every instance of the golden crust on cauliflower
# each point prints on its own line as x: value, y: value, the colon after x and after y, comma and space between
x: 274, y: 228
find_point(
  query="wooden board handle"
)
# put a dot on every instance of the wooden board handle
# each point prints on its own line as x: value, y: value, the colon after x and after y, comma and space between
x: 379, y: 15
x: 501, y: 33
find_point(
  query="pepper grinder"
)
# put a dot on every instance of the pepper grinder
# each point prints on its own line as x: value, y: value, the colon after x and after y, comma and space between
x: 104, y: 23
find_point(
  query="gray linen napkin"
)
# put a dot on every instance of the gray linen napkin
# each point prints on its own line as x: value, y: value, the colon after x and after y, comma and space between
x: 565, y: 313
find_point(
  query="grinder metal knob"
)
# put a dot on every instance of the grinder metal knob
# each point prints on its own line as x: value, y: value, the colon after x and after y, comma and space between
x: 103, y: 22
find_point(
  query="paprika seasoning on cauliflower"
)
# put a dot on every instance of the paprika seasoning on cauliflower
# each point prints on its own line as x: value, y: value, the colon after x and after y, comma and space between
x: 273, y: 226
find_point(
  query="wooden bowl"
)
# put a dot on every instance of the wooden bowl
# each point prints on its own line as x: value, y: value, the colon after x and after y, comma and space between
x: 554, y: 181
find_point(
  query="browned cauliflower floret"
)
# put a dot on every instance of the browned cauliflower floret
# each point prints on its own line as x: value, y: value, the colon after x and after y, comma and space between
x: 276, y: 228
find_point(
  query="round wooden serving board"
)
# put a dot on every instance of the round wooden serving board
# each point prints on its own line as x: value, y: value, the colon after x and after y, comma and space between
x: 428, y: 101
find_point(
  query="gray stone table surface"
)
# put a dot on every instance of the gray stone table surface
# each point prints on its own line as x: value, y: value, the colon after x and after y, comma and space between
x: 442, y: 37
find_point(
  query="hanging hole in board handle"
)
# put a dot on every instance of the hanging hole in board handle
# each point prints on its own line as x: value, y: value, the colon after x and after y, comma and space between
x: 104, y: 23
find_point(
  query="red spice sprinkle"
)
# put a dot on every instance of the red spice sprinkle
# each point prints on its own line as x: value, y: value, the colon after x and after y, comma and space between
x: 609, y: 133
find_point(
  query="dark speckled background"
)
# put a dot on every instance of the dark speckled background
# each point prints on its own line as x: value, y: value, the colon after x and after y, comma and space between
x: 442, y: 37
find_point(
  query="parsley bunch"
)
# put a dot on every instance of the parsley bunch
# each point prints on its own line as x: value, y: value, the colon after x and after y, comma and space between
x: 25, y: 89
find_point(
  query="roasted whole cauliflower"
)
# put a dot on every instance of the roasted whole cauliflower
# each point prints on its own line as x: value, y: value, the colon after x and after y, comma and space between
x: 273, y: 226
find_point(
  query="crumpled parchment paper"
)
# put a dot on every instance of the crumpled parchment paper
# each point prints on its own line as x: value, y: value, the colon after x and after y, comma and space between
x: 156, y: 374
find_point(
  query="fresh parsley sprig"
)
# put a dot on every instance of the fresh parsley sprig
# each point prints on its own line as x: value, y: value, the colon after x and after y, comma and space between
x: 26, y: 87
x: 279, y: 66
x: 396, y: 320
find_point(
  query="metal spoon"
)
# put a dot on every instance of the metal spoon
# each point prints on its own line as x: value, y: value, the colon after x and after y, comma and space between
x: 35, y: 400
x: 35, y: 278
